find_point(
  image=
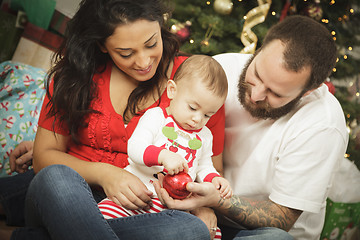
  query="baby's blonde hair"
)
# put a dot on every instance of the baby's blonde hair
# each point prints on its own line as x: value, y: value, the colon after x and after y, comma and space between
x: 205, y: 69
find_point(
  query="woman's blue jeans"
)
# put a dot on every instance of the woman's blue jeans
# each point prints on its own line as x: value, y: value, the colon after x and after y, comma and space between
x: 12, y: 196
x: 60, y: 201
x: 61, y: 205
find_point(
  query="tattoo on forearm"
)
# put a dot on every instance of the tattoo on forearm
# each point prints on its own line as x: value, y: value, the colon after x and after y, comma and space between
x: 221, y: 201
x: 254, y: 213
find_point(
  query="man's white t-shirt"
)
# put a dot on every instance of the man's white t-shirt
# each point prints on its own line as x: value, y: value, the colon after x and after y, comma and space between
x: 290, y: 161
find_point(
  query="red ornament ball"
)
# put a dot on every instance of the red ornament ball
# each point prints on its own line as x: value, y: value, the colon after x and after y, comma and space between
x: 183, y: 33
x: 175, y: 185
x: 181, y: 30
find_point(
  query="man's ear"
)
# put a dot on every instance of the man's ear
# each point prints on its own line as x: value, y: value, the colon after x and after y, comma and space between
x: 171, y: 89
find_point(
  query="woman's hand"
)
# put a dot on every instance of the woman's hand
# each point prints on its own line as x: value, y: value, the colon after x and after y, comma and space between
x: 208, y: 216
x: 21, y: 158
x: 119, y: 185
x: 124, y: 188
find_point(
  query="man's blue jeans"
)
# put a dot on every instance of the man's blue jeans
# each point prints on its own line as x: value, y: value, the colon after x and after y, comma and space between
x: 266, y: 233
x: 263, y: 233
x: 60, y: 201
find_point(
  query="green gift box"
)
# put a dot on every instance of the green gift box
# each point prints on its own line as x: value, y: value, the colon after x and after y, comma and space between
x: 39, y: 12
x: 342, y: 221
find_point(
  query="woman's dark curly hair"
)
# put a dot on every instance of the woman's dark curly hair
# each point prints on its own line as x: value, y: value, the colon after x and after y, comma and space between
x: 79, y: 57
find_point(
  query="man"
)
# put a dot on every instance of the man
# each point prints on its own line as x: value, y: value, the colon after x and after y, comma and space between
x: 285, y: 134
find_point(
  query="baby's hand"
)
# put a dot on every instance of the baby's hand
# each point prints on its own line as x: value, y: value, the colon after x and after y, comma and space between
x: 223, y: 186
x: 172, y: 162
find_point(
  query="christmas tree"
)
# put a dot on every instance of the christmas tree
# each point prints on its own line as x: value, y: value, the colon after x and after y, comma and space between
x: 218, y: 26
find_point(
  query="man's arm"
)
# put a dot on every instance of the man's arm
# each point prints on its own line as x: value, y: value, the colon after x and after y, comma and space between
x: 248, y: 213
x: 252, y: 214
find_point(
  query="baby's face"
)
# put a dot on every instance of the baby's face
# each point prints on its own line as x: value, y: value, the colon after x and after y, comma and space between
x: 194, y: 104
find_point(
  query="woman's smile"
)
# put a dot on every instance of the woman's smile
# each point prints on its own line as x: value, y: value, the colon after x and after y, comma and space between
x: 145, y: 70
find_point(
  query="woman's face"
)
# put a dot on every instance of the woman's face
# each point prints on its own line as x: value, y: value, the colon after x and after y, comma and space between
x: 136, y: 48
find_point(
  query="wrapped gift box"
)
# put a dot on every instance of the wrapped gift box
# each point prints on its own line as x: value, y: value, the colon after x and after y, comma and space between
x: 36, y: 46
x: 342, y: 221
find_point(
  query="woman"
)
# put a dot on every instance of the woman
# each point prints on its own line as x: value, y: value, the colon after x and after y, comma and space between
x: 113, y: 65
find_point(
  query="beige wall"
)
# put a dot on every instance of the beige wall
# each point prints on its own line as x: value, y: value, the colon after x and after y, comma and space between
x: 67, y: 7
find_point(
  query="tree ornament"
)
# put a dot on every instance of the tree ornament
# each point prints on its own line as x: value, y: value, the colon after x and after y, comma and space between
x: 208, y: 34
x: 175, y: 185
x: 330, y: 86
x: 314, y: 11
x: 253, y: 17
x: 223, y: 6
x: 181, y: 30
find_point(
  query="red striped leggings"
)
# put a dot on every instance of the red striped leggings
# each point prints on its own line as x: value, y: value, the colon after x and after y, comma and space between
x: 110, y: 210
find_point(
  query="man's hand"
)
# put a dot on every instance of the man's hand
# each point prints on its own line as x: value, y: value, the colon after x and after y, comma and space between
x: 247, y: 212
x: 21, y: 157
x: 203, y: 195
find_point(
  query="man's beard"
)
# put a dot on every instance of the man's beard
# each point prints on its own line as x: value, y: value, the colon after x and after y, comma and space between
x: 261, y: 109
